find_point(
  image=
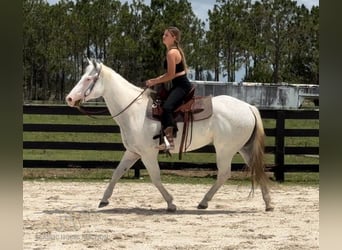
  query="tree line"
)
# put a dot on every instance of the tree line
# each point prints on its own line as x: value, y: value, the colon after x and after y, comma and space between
x: 272, y: 40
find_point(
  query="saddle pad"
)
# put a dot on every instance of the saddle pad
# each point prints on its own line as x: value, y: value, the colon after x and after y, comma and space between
x: 202, y: 105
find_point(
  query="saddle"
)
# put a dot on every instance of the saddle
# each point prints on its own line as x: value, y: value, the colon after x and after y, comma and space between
x: 194, y: 108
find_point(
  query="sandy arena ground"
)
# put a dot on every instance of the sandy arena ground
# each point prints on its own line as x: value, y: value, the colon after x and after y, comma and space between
x: 64, y: 215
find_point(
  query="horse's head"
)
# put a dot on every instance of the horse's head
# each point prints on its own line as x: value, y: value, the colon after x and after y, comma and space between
x: 88, y: 87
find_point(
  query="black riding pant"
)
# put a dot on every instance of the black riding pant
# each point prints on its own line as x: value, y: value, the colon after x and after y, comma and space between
x: 181, y: 87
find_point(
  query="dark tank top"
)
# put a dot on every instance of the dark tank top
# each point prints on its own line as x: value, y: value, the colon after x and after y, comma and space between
x: 179, y: 66
x: 180, y: 81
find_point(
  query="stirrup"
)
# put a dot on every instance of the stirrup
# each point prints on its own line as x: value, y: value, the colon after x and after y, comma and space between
x: 166, y: 146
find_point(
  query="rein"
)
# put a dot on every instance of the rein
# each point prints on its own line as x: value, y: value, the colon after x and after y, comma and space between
x: 91, y: 114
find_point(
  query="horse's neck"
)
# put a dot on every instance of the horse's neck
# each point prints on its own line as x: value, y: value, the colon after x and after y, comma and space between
x: 118, y: 95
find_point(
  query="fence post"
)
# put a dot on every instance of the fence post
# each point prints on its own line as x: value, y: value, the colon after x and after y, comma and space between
x: 137, y: 166
x: 279, y: 146
x: 136, y: 173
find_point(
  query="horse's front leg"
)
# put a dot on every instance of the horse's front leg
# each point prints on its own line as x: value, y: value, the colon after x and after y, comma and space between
x: 127, y: 161
x: 152, y: 166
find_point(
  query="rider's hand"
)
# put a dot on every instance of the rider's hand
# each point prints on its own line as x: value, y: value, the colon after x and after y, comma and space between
x: 149, y: 83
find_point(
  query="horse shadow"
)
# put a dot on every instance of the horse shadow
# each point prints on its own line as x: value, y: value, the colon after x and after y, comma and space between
x: 161, y: 211
x: 151, y: 211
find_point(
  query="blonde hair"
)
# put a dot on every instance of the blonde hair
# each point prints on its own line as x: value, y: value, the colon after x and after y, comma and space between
x: 177, y: 34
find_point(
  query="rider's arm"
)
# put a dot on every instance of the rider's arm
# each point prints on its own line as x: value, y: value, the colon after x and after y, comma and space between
x: 171, y: 70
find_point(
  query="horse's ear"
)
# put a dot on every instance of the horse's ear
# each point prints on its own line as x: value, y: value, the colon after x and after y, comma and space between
x: 88, y: 60
x: 94, y: 63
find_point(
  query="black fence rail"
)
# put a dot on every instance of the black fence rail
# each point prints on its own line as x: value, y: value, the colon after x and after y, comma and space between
x: 279, y: 149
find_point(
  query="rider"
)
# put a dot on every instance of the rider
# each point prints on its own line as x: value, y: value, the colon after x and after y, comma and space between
x: 175, y: 65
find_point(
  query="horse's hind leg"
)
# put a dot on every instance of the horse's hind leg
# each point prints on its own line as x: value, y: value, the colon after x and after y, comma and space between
x: 224, y: 172
x: 127, y: 161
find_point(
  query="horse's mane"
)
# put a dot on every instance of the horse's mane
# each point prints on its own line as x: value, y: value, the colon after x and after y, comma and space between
x: 109, y: 73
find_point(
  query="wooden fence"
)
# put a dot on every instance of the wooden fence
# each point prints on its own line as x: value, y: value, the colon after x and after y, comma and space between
x: 279, y: 149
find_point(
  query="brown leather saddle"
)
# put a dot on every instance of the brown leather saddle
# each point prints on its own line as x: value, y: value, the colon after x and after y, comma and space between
x: 194, y: 108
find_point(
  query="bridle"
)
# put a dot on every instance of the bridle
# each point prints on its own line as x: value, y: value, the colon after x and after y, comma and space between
x: 90, y: 88
x: 96, y: 77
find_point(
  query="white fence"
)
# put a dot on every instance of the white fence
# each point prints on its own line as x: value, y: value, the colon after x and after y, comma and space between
x: 262, y: 95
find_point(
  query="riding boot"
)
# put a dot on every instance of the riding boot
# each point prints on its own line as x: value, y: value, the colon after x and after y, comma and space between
x: 168, y: 140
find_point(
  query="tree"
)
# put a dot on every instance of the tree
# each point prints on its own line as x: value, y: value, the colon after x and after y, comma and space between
x: 275, y: 40
x: 232, y: 32
x: 303, y: 60
x: 281, y: 15
x: 213, y: 45
x: 257, y: 67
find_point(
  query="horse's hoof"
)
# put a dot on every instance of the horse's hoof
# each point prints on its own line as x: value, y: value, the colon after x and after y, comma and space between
x: 269, y: 209
x: 172, y: 208
x: 200, y: 206
x: 103, y: 204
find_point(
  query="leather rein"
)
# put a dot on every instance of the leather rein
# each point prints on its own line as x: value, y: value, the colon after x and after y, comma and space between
x: 88, y: 91
x: 91, y: 114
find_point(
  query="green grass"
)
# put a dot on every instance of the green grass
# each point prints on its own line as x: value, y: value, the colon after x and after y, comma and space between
x: 66, y: 119
x: 116, y: 155
x: 206, y: 177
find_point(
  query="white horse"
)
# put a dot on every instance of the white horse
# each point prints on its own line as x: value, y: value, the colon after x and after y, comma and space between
x: 234, y: 126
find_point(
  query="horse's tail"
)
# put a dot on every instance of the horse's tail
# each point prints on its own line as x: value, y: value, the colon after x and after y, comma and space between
x: 256, y: 161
